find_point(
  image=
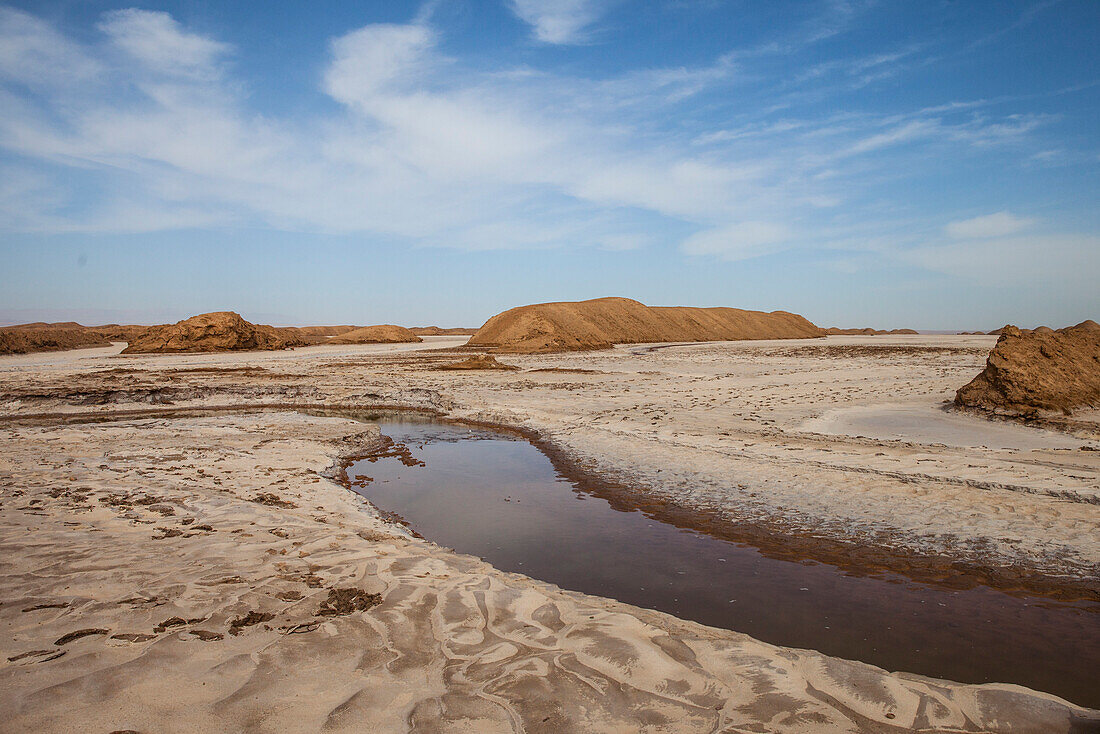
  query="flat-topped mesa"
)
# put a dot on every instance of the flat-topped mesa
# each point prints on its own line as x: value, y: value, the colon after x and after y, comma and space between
x: 221, y: 331
x: 1032, y: 371
x: 379, y: 334
x: 600, y: 323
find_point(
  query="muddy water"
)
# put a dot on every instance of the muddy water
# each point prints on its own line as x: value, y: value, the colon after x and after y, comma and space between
x: 500, y: 498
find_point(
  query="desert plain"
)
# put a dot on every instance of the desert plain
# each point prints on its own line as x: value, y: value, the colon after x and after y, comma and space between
x: 180, y: 549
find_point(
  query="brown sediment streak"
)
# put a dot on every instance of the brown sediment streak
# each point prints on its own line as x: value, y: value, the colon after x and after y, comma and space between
x: 773, y: 537
x: 776, y: 540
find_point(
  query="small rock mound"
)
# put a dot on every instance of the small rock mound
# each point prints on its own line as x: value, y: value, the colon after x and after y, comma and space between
x: 1041, y: 370
x: 479, y: 362
x: 341, y: 602
x: 380, y: 334
x: 221, y: 331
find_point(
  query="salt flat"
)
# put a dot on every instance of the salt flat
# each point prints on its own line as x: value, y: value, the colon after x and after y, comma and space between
x: 164, y: 529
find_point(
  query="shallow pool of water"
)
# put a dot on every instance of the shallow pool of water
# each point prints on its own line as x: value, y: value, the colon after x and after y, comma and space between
x: 500, y: 498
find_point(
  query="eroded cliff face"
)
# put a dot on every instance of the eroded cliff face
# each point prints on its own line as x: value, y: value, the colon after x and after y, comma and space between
x: 1030, y: 372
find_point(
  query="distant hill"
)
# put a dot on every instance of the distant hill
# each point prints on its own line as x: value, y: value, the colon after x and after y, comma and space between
x: 437, y: 331
x: 380, y: 334
x: 602, y: 322
x: 867, y: 331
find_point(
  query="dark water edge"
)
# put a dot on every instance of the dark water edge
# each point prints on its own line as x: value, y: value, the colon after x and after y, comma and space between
x: 500, y: 498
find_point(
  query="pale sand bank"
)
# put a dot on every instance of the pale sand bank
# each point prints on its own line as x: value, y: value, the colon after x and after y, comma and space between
x: 926, y: 424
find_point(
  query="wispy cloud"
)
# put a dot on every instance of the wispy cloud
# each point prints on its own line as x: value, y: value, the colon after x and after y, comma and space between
x: 739, y: 241
x: 156, y: 40
x: 998, y: 224
x: 560, y: 21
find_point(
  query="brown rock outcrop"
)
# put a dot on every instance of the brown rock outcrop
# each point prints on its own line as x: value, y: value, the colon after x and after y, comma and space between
x: 1029, y: 372
x: 380, y: 334
x: 221, y: 331
x: 602, y: 322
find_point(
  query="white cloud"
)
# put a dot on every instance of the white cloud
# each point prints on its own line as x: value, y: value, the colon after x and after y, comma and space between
x: 365, y: 61
x: 999, y: 224
x: 560, y: 21
x: 739, y: 241
x: 156, y: 39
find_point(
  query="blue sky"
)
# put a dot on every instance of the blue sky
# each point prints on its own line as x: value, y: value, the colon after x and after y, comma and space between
x: 922, y: 164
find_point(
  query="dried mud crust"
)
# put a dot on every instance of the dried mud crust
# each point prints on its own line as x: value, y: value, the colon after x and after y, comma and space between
x: 837, y: 351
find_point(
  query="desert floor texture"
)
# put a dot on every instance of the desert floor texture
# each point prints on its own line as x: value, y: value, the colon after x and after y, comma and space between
x: 173, y: 559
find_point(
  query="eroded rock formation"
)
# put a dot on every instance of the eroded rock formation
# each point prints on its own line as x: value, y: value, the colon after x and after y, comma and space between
x: 1031, y: 371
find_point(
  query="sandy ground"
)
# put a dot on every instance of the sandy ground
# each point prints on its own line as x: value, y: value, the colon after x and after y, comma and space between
x: 145, y: 534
